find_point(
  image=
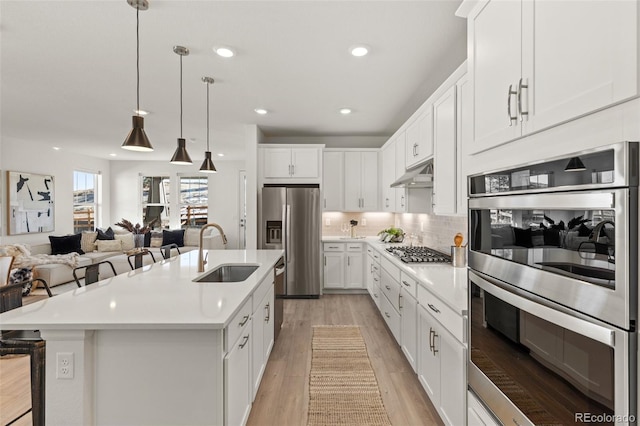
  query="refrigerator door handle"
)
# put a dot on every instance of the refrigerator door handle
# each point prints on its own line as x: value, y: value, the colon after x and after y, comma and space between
x: 284, y: 230
x: 287, y: 231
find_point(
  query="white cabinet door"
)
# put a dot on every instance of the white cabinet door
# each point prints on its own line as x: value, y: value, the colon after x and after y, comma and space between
x: 333, y: 270
x: 268, y: 323
x: 304, y: 163
x: 419, y: 139
x: 333, y: 181
x: 352, y: 179
x: 400, y: 193
x: 409, y: 327
x: 369, y: 181
x: 445, y: 163
x: 277, y: 162
x: 354, y: 277
x: 575, y: 69
x: 464, y: 138
x: 429, y: 362
x: 388, y: 158
x: 496, y: 68
x: 237, y: 369
x: 257, y: 356
x: 453, y: 380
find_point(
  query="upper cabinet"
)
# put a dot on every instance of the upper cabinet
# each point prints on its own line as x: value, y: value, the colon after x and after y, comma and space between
x: 419, y: 139
x: 388, y: 159
x: 361, y: 180
x: 333, y: 180
x: 445, y: 165
x: 536, y: 64
x: 291, y: 163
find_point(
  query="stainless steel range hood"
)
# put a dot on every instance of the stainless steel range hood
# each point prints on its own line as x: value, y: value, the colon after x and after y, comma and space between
x: 417, y: 177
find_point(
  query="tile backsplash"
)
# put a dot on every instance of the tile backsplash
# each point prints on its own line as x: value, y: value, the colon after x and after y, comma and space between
x: 430, y: 230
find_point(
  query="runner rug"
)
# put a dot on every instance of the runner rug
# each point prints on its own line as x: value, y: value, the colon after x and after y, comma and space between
x: 342, y: 385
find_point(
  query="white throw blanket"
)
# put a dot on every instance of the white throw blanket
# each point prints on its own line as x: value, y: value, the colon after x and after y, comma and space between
x: 22, y: 257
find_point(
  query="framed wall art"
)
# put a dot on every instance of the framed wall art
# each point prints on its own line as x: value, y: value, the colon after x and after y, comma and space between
x: 30, y: 203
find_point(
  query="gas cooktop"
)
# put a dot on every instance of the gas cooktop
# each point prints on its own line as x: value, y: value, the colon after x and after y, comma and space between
x: 419, y: 254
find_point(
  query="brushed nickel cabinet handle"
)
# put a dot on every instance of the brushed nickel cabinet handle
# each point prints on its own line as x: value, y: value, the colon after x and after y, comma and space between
x: 406, y: 283
x: 387, y: 314
x: 268, y: 313
x: 399, y: 301
x: 245, y: 340
x: 509, y: 93
x: 433, y: 308
x: 244, y: 320
x: 387, y: 287
x: 522, y: 113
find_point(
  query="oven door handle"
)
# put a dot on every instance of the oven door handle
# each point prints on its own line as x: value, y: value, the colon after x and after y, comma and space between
x: 542, y: 308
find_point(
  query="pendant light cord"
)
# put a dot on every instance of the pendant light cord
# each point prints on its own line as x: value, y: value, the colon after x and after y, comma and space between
x: 180, y: 96
x: 137, y: 61
x: 207, y: 116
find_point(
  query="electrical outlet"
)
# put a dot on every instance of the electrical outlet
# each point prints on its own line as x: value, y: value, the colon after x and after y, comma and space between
x: 327, y: 222
x: 64, y: 365
x: 364, y: 221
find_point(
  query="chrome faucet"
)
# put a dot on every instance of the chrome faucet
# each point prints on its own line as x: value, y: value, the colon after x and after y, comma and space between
x: 201, y: 259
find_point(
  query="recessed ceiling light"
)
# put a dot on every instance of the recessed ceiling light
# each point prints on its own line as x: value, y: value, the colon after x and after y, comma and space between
x: 140, y: 112
x: 220, y: 154
x: 56, y: 148
x: 261, y: 111
x: 113, y: 155
x: 224, y: 51
x: 359, y: 51
x: 345, y: 111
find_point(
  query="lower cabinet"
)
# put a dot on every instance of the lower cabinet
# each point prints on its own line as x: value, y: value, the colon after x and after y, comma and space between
x: 409, y: 327
x: 441, y: 369
x: 262, y: 338
x: 344, y: 266
x: 237, y: 369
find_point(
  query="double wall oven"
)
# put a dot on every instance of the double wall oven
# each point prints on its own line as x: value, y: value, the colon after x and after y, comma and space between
x: 553, y: 285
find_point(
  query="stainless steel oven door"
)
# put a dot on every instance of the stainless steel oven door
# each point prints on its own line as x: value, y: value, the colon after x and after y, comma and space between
x: 533, y: 362
x: 583, y: 273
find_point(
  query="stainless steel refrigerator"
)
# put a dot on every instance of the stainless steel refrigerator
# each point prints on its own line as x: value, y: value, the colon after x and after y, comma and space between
x: 290, y: 219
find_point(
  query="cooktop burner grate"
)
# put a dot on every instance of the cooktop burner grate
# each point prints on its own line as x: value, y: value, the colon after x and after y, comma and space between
x: 419, y: 254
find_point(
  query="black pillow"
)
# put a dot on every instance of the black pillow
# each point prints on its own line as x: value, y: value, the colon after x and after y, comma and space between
x: 66, y: 244
x: 523, y: 237
x: 105, y: 235
x: 173, y: 236
x: 147, y: 239
x: 583, y: 231
x: 551, y: 237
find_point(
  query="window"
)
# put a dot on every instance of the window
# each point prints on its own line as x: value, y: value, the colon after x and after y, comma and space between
x: 155, y: 200
x: 85, y: 199
x: 194, y: 196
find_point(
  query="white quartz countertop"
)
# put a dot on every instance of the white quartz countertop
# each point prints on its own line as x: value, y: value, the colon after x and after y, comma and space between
x: 447, y: 283
x: 158, y: 296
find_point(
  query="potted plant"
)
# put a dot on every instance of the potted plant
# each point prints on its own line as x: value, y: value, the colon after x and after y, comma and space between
x: 137, y: 230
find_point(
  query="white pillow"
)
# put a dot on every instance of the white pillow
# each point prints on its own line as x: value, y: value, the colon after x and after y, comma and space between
x: 192, y: 237
x: 109, y: 245
x: 88, y: 241
x: 128, y: 242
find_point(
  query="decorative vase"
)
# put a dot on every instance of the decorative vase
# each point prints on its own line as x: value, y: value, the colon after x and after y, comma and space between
x: 138, y: 240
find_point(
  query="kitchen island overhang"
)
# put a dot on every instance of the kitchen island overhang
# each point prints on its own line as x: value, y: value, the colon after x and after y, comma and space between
x: 148, y: 346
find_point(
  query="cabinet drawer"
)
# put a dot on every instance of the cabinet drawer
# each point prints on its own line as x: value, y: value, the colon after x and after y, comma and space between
x: 391, y: 317
x: 390, y: 268
x: 354, y: 247
x: 410, y: 284
x: 390, y: 288
x: 262, y: 289
x: 446, y: 316
x: 373, y: 253
x: 333, y: 246
x: 235, y: 327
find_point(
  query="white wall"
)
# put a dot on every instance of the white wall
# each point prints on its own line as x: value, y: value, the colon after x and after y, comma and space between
x: 40, y: 158
x: 223, y: 191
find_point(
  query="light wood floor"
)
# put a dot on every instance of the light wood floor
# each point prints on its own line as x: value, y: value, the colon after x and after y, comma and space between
x: 283, y: 396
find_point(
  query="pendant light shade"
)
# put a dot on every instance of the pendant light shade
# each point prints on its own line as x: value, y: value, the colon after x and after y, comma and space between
x: 207, y: 164
x: 137, y: 139
x: 181, y: 156
x: 575, y: 164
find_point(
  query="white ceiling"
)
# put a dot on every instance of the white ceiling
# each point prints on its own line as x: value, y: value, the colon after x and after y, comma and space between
x: 68, y: 70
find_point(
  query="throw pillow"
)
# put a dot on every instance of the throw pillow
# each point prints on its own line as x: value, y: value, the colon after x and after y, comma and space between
x: 523, y: 237
x: 537, y: 237
x: 88, y: 241
x: 128, y: 243
x: 584, y: 231
x: 109, y: 245
x: 192, y: 237
x: 105, y: 235
x: 66, y: 244
x: 174, y: 236
x: 147, y: 239
x: 551, y: 237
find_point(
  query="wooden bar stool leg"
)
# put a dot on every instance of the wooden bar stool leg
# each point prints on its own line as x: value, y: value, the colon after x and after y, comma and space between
x: 38, y: 391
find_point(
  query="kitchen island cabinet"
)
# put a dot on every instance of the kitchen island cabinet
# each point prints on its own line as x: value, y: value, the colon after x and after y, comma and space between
x: 152, y: 346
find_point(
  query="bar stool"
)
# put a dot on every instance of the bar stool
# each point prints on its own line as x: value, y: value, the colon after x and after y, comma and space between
x: 166, y: 250
x: 92, y: 272
x: 139, y: 258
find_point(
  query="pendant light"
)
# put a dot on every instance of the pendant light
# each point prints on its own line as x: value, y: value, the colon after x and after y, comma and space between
x: 137, y: 138
x: 181, y: 156
x: 207, y: 164
x: 575, y: 164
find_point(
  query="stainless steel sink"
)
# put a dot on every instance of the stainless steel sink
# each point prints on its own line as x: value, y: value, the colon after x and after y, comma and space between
x: 228, y: 274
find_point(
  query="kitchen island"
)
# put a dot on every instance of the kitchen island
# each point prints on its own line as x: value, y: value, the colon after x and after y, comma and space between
x: 151, y: 346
